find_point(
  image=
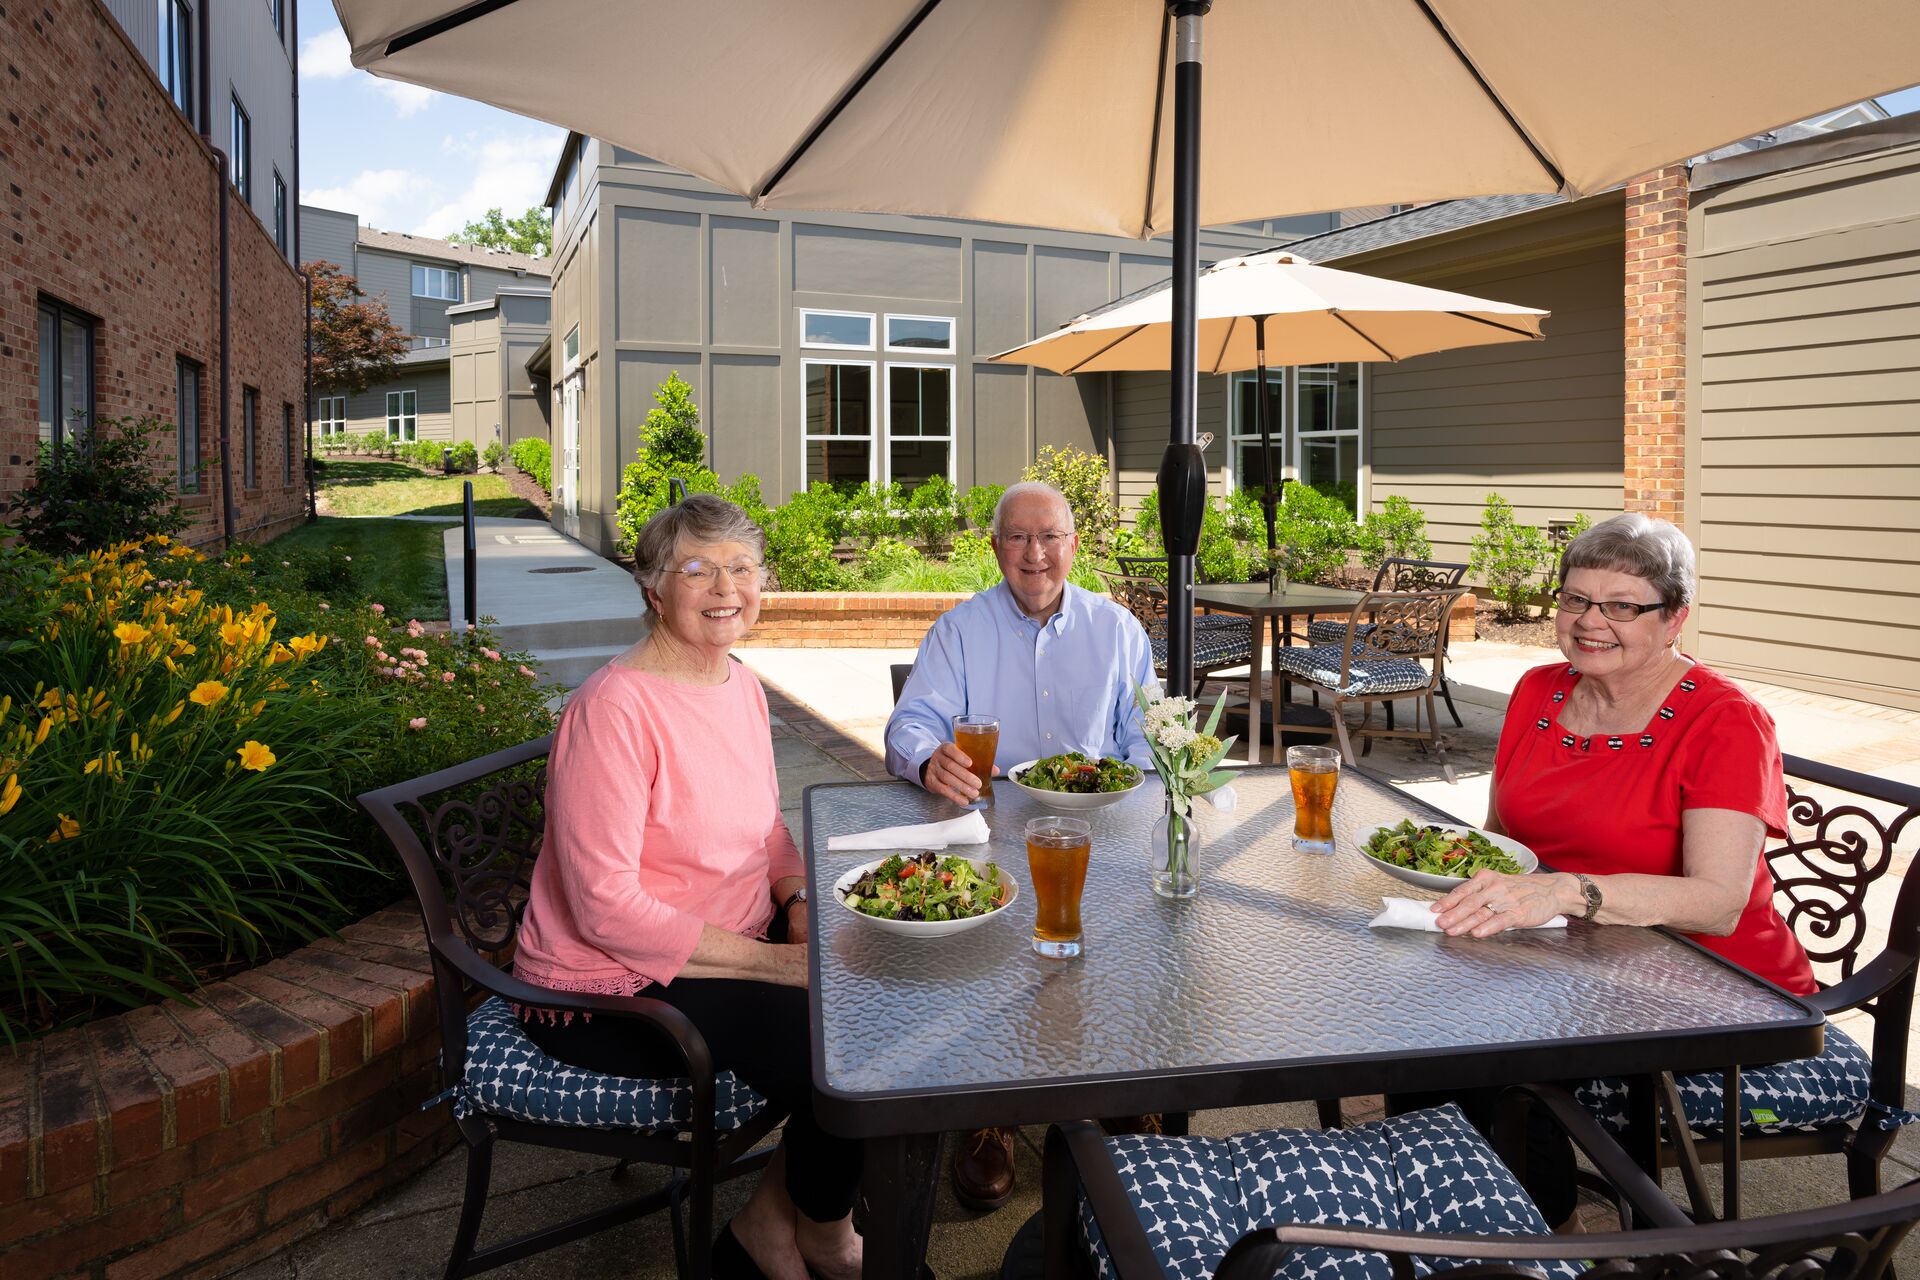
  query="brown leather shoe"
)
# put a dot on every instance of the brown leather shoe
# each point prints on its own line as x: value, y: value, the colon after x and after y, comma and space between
x: 983, y: 1169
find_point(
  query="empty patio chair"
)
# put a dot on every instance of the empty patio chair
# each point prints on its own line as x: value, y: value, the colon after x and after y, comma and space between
x: 1398, y: 574
x: 469, y: 837
x: 1417, y: 1194
x: 1393, y: 649
x: 1849, y: 1100
x: 1220, y: 641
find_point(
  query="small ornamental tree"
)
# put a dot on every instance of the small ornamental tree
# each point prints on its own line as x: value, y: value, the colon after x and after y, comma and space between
x: 1509, y: 557
x: 355, y: 342
x: 672, y: 432
x: 531, y: 233
x: 1081, y: 477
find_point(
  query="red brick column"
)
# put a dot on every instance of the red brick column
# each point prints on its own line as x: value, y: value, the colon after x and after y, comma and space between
x: 1656, y: 343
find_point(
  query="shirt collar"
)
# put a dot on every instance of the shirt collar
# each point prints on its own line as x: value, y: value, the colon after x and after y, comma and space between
x: 1027, y: 626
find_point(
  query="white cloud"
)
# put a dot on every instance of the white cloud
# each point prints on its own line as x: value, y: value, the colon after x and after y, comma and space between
x: 507, y: 170
x: 382, y: 197
x: 327, y: 56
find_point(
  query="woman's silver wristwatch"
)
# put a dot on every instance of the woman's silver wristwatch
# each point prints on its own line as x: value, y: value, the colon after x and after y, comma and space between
x: 798, y: 895
x: 1591, y: 892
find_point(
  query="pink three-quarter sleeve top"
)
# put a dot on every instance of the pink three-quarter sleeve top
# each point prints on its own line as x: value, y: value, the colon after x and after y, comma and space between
x: 663, y: 815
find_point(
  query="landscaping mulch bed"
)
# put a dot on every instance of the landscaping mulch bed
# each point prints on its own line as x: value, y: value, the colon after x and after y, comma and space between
x: 1488, y: 626
x: 522, y: 486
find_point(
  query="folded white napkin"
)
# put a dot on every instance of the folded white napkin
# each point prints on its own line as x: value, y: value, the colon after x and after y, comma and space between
x: 1223, y: 798
x: 968, y: 828
x: 1409, y: 913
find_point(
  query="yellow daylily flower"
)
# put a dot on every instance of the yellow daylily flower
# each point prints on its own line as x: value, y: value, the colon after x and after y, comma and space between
x: 304, y: 645
x: 279, y: 655
x: 207, y: 692
x: 67, y: 830
x: 235, y: 634
x: 40, y: 734
x: 10, y: 793
x: 51, y: 699
x: 256, y: 756
x: 174, y: 714
x: 131, y: 633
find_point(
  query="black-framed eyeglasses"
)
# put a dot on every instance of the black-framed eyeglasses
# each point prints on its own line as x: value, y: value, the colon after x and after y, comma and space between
x: 1050, y: 541
x: 1619, y: 610
x: 699, y: 573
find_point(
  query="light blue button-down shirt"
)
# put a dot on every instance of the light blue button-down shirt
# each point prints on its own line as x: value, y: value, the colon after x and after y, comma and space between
x: 1066, y: 685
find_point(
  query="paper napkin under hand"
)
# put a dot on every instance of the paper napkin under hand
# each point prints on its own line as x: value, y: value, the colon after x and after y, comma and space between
x: 968, y: 828
x: 1410, y: 913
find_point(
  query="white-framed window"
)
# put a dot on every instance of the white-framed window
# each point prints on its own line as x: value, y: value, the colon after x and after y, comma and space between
x: 921, y: 405
x: 436, y: 282
x: 332, y: 416
x: 836, y: 330
x: 837, y: 420
x: 403, y: 415
x: 186, y: 419
x: 570, y: 349
x: 1317, y: 424
x: 424, y: 341
x: 924, y: 335
x: 240, y: 136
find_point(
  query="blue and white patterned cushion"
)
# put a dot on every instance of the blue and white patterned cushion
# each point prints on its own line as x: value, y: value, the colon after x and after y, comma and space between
x: 1806, y: 1094
x: 1321, y: 665
x: 1425, y: 1171
x: 1333, y: 631
x: 509, y: 1075
x: 1218, y: 641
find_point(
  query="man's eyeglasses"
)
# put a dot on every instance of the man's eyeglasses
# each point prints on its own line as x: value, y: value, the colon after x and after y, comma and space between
x: 1618, y: 610
x: 699, y: 573
x: 1050, y: 541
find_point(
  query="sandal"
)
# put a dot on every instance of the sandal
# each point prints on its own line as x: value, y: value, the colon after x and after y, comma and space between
x: 730, y: 1259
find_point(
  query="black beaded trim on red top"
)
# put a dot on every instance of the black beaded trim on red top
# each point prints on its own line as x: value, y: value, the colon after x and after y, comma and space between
x: 1613, y: 742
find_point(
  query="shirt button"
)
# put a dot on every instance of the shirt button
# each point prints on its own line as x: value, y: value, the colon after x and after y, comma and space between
x: 1046, y: 693
x: 1049, y: 737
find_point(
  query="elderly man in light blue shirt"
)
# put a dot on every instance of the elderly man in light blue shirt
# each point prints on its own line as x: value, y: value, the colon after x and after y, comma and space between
x: 1055, y: 664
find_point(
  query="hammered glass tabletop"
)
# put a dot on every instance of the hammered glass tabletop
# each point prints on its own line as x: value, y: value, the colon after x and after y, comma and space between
x: 1273, y: 960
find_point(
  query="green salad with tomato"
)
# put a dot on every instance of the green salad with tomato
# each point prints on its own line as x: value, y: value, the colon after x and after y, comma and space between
x: 1076, y: 774
x: 927, y: 888
x: 1439, y: 851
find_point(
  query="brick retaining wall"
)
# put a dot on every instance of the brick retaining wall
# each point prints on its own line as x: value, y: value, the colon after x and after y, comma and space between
x: 186, y: 1141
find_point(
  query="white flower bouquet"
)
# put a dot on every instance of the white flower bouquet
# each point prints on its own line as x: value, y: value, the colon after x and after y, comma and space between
x: 1185, y: 758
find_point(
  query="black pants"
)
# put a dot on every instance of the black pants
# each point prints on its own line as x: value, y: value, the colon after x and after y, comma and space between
x: 1550, y: 1167
x: 758, y: 1031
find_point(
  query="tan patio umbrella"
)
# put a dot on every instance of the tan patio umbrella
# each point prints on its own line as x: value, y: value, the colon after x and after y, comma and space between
x: 1086, y: 114
x: 1313, y: 315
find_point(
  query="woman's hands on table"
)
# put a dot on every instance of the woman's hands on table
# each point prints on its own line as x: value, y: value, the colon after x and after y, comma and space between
x: 1491, y: 902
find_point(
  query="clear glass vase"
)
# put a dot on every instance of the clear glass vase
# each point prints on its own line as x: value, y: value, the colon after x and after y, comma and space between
x: 1173, y: 850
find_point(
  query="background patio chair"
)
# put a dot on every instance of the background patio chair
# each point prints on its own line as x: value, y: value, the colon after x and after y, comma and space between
x: 899, y: 671
x: 471, y: 834
x: 1220, y: 641
x: 1848, y: 1101
x: 1397, y: 574
x: 1393, y: 649
x: 1370, y: 1201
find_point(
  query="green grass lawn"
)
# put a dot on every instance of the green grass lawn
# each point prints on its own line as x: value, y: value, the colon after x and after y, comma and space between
x: 367, y: 488
x: 400, y: 563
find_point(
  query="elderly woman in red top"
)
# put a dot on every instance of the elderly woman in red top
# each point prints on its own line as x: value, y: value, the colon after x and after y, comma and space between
x: 1648, y: 781
x: 667, y: 867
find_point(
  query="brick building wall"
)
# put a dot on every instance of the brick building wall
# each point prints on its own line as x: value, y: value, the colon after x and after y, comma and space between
x: 1656, y: 344
x: 111, y: 207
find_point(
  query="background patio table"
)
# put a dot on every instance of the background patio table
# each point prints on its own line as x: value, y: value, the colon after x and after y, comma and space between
x: 1267, y: 987
x: 1273, y: 614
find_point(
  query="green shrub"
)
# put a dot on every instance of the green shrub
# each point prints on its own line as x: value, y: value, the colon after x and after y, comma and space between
x: 1509, y: 557
x: 671, y: 434
x: 1313, y: 531
x: 930, y: 515
x: 1397, y: 531
x: 1082, y: 478
x: 888, y: 557
x: 98, y: 491
x: 978, y: 504
x: 490, y: 457
x: 372, y: 444
x: 800, y: 539
x: 873, y: 513
x: 465, y: 457
x: 534, y: 456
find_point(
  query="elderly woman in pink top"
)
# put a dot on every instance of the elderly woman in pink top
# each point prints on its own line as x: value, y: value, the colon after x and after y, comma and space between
x: 668, y: 868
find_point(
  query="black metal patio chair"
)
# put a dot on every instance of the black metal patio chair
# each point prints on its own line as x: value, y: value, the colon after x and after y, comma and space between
x: 1399, y: 574
x: 1413, y: 1195
x: 1220, y: 641
x: 1849, y: 1101
x: 469, y: 837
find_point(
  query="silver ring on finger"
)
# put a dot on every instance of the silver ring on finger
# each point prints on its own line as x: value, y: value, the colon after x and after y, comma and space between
x: 1495, y: 908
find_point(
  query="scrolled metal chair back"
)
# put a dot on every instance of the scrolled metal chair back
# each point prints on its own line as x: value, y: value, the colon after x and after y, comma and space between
x: 1837, y: 847
x: 1405, y: 624
x: 1141, y: 596
x: 1398, y: 574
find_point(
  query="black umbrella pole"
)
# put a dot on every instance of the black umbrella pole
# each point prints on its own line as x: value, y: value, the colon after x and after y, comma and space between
x: 1263, y: 416
x: 1183, y: 472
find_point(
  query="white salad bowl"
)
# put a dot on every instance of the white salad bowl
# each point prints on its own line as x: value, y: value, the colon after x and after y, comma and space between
x: 921, y: 928
x: 1427, y: 880
x: 1069, y: 800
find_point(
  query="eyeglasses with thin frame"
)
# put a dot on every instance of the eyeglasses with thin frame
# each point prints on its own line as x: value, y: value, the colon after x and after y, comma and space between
x: 699, y: 573
x: 1050, y: 541
x: 1573, y: 603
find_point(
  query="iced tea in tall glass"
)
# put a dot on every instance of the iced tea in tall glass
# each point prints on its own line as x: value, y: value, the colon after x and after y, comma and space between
x: 1314, y: 772
x: 1057, y: 850
x: 978, y: 738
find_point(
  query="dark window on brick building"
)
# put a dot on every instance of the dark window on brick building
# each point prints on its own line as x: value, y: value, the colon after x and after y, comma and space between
x: 186, y: 417
x: 66, y: 373
x: 240, y: 138
x: 279, y: 211
x: 250, y: 438
x: 176, y: 52
x: 287, y: 449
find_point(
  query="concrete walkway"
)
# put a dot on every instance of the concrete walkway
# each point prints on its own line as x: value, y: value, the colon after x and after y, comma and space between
x: 829, y: 710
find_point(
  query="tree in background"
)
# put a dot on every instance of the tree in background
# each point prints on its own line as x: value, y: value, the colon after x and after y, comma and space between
x: 355, y: 342
x: 672, y: 432
x: 531, y: 233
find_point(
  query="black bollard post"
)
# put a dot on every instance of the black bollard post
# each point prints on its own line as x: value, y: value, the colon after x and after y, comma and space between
x: 472, y: 559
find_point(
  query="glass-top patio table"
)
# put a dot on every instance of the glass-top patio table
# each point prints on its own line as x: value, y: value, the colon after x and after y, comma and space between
x: 1273, y: 613
x: 1266, y: 987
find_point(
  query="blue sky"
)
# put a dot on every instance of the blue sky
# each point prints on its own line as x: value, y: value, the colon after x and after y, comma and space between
x: 408, y: 159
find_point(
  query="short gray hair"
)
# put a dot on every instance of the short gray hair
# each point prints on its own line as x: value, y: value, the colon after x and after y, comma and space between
x: 1644, y: 546
x: 1024, y: 488
x: 696, y: 518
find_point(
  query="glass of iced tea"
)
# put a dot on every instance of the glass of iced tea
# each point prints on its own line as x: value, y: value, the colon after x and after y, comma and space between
x: 1315, y: 772
x: 978, y: 738
x: 1057, y: 849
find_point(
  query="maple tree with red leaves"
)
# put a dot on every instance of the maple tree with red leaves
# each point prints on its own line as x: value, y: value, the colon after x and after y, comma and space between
x: 355, y: 342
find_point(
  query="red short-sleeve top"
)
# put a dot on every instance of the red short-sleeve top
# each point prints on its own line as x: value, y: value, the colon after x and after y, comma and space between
x: 1607, y: 804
